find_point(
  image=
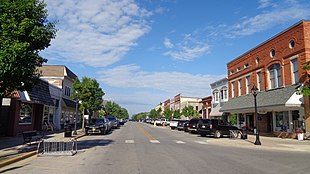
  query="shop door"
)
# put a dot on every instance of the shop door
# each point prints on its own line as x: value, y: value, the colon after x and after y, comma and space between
x: 269, y: 121
x: 4, y: 113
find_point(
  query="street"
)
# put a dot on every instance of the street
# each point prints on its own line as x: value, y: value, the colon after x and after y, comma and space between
x: 141, y: 148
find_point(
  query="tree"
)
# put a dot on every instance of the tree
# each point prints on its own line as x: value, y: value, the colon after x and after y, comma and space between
x: 89, y: 92
x: 189, y: 111
x: 112, y: 108
x: 24, y: 32
x: 177, y: 114
x: 139, y: 116
x: 306, y: 88
x: 153, y: 114
x: 168, y: 113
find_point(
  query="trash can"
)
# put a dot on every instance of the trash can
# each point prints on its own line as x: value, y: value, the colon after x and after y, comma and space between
x: 68, y: 131
x: 244, y: 135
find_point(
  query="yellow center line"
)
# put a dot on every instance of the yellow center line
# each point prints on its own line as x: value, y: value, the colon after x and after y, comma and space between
x: 149, y: 136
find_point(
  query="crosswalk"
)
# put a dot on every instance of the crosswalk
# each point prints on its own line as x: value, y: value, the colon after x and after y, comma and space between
x: 152, y: 141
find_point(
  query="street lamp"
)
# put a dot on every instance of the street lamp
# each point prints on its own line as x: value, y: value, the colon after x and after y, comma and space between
x: 76, y: 112
x: 254, y: 91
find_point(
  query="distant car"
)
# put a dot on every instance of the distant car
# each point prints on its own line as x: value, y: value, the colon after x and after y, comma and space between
x: 114, y: 121
x: 192, y: 127
x: 122, y: 121
x: 214, y: 127
x: 174, y: 123
x: 180, y: 125
x: 185, y: 126
x: 97, y: 125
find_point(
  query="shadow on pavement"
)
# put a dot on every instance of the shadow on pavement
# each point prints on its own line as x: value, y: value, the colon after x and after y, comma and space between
x: 87, y: 144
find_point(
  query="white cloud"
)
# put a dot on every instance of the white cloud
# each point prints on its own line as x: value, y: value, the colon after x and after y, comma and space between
x: 96, y: 33
x: 167, y: 43
x: 266, y: 3
x: 188, y: 49
x: 130, y: 76
x: 288, y: 11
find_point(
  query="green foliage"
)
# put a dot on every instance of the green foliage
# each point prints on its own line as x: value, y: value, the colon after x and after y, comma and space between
x: 24, y: 32
x: 189, y: 111
x: 112, y: 108
x: 168, y: 113
x: 306, y: 89
x: 233, y: 119
x: 177, y: 114
x: 153, y: 114
x: 139, y: 116
x: 89, y: 92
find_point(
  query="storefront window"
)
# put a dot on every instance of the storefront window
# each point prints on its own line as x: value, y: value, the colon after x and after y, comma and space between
x: 282, y: 121
x: 25, y: 116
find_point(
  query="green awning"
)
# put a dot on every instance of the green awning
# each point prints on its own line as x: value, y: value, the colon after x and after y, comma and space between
x: 266, y: 100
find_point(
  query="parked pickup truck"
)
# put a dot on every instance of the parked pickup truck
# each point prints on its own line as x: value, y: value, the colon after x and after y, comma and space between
x: 214, y: 127
x: 174, y: 124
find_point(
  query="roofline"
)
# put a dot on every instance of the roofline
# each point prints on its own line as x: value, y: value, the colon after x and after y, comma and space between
x: 223, y: 79
x: 287, y: 29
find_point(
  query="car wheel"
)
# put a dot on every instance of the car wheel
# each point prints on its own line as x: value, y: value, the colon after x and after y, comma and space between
x: 217, y: 134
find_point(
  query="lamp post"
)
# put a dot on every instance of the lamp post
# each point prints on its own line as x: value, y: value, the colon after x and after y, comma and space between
x: 254, y: 91
x: 76, y: 108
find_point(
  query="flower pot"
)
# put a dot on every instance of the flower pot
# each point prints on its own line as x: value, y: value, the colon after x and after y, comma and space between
x: 300, y: 136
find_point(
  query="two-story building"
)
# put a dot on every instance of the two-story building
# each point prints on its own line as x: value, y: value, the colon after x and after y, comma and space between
x: 275, y: 67
x: 219, y: 91
x: 61, y: 79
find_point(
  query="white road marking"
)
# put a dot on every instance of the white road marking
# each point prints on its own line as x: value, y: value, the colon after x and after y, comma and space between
x: 201, y: 142
x: 154, y: 141
x: 129, y: 141
x: 179, y: 142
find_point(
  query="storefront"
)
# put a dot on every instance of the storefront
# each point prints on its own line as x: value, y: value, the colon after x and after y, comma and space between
x: 279, y: 110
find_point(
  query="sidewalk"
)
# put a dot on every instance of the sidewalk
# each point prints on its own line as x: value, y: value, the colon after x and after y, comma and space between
x: 267, y: 143
x: 12, y: 149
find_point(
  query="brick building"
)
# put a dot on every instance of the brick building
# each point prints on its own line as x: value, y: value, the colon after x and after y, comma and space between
x: 276, y: 68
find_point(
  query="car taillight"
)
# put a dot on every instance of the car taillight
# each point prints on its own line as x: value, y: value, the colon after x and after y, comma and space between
x: 210, y: 126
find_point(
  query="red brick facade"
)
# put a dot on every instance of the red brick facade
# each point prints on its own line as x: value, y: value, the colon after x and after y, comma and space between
x: 291, y: 44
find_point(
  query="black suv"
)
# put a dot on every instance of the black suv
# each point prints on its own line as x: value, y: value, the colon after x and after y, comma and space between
x: 97, y: 125
x: 214, y: 127
x: 192, y: 125
x: 114, y: 121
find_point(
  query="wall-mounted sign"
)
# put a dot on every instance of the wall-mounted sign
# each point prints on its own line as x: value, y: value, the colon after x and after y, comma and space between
x: 6, y: 101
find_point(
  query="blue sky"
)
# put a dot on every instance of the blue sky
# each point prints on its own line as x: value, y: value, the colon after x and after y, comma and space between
x: 146, y: 51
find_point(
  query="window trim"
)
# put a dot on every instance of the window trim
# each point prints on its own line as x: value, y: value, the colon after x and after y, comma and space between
x: 292, y: 70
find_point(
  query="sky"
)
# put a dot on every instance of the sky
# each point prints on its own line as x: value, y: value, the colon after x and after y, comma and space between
x: 143, y: 52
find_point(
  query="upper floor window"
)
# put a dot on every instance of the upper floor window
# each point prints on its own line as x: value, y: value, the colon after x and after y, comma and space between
x: 240, y: 87
x: 272, y: 53
x: 67, y: 91
x: 292, y: 44
x: 232, y: 89
x: 232, y: 72
x: 216, y: 96
x: 257, y: 60
x: 238, y: 69
x: 224, y: 94
x: 246, y: 66
x: 295, y: 78
x: 275, y: 80
x: 248, y: 87
x: 259, y: 81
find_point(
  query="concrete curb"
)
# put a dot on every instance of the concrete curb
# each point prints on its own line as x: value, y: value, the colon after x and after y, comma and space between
x: 26, y: 155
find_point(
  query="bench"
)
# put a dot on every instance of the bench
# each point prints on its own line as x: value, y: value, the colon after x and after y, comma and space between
x: 31, y: 136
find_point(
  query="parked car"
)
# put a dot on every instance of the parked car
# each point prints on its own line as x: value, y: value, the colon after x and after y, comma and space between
x: 122, y: 121
x: 186, y: 125
x: 180, y: 125
x: 97, y: 125
x: 192, y: 127
x: 174, y: 123
x: 114, y: 121
x: 214, y: 127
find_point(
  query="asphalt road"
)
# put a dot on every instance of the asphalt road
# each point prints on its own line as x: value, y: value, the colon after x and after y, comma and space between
x: 141, y: 148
